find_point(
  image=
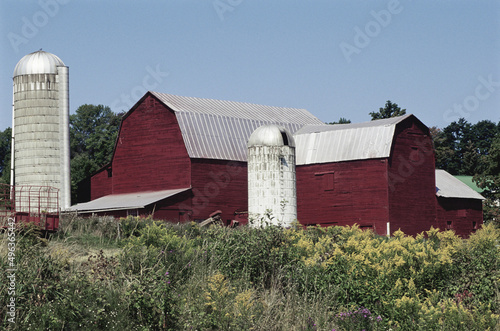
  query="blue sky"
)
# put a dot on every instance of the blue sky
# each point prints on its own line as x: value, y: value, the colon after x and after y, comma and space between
x: 438, y: 59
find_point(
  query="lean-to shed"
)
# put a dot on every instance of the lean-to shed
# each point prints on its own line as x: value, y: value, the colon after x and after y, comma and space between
x: 459, y: 207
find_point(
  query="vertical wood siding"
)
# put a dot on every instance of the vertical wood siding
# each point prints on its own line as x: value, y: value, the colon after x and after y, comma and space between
x: 150, y: 154
x: 343, y: 193
x: 100, y: 184
x: 411, y: 180
x: 218, y: 185
x: 462, y: 215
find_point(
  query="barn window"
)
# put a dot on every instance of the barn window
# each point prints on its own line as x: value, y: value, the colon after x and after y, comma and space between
x: 110, y: 172
x: 449, y: 225
x: 474, y: 226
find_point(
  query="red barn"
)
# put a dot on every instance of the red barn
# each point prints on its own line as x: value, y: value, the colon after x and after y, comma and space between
x: 458, y: 206
x: 182, y: 158
x: 378, y: 174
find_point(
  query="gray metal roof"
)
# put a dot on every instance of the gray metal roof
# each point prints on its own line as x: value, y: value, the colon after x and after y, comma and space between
x: 216, y: 129
x: 136, y: 200
x: 39, y: 62
x: 346, y: 142
x: 447, y: 186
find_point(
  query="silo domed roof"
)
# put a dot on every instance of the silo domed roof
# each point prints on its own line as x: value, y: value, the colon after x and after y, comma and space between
x: 271, y: 135
x: 39, y: 62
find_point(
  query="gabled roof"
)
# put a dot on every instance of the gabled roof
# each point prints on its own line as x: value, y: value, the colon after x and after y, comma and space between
x: 216, y: 129
x: 447, y: 186
x: 346, y: 142
x: 136, y: 200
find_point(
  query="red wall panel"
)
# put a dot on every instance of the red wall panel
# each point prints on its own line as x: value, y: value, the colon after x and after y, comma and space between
x: 218, y: 185
x: 343, y: 193
x: 462, y: 215
x: 101, y: 184
x: 411, y: 179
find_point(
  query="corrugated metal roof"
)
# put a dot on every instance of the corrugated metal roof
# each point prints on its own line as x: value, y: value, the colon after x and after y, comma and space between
x: 447, y: 186
x: 345, y: 142
x: 136, y: 200
x: 216, y: 129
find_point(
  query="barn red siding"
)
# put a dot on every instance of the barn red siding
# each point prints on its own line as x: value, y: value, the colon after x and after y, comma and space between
x: 464, y: 216
x: 343, y: 193
x: 411, y: 179
x: 150, y: 154
x: 101, y: 184
x: 218, y: 185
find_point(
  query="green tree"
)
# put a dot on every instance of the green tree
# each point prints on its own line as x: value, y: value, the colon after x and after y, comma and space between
x: 461, y: 146
x: 489, y: 180
x: 342, y: 120
x: 5, y: 144
x: 93, y: 132
x: 444, y: 152
x: 390, y: 110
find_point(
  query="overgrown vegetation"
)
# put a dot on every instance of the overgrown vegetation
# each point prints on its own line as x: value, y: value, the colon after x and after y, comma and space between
x: 138, y: 274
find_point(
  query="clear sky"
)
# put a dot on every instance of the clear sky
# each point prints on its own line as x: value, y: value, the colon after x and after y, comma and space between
x: 438, y: 59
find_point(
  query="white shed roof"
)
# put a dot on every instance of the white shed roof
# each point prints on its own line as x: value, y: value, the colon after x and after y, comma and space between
x: 447, y: 186
x: 136, y: 200
x: 216, y: 129
x: 346, y: 142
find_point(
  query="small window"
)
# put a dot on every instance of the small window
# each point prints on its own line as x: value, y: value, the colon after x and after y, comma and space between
x: 285, y: 138
x: 110, y: 172
x: 449, y: 225
x: 328, y: 183
x: 474, y: 226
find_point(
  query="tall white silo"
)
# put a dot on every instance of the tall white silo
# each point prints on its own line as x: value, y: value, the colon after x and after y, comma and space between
x: 271, y: 176
x: 40, y: 124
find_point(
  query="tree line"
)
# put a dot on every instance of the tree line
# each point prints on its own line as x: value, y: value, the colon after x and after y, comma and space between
x: 461, y: 148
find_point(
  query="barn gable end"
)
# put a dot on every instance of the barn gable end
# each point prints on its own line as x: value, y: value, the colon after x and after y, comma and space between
x: 150, y: 154
x: 411, y: 178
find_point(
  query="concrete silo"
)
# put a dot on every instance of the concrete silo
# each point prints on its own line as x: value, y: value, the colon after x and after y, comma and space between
x: 271, y: 176
x: 40, y: 124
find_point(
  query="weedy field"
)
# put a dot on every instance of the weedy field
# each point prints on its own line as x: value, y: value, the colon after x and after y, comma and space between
x: 138, y: 274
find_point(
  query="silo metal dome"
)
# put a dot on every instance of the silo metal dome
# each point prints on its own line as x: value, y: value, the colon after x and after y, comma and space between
x: 271, y: 135
x: 39, y: 62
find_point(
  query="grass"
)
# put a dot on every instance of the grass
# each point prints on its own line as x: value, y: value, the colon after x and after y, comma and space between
x: 137, y: 274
